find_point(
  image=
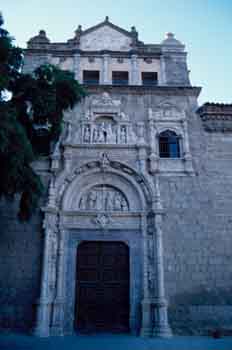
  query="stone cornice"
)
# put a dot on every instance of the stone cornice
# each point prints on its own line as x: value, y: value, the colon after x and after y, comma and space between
x: 62, y: 49
x: 143, y: 90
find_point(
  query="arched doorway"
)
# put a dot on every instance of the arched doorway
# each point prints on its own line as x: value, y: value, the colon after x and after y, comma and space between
x: 102, y: 287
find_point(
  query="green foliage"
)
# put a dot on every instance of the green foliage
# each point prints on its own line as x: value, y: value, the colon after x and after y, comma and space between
x: 48, y: 92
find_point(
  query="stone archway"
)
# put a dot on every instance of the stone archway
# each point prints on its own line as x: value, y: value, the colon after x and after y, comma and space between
x: 133, y: 217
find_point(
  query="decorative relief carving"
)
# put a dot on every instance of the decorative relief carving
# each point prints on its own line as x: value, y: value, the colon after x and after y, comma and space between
x: 106, y: 131
x: 103, y: 198
x: 103, y: 220
x: 166, y: 111
x: 105, y: 100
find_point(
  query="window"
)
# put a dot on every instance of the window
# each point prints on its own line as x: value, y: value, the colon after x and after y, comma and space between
x: 120, y: 78
x: 91, y: 77
x: 169, y: 145
x: 149, y: 78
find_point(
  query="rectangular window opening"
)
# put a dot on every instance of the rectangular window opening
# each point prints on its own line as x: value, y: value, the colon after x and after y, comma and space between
x: 91, y: 77
x: 149, y: 78
x: 120, y: 78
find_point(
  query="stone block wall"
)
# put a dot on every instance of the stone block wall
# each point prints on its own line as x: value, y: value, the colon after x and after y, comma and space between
x: 20, y: 268
x: 197, y: 236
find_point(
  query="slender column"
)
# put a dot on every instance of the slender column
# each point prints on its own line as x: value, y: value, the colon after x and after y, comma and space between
x: 76, y: 67
x: 44, y: 305
x: 105, y: 72
x: 154, y: 158
x: 161, y: 326
x: 187, y: 154
x: 146, y: 302
x: 162, y: 75
x: 58, y: 306
x: 134, y: 80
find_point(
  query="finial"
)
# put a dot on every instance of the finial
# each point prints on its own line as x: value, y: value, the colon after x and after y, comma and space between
x: 133, y: 29
x: 107, y: 19
x: 170, y: 35
x: 42, y: 32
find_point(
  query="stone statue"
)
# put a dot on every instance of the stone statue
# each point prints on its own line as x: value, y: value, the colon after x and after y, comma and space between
x: 94, y: 134
x: 124, y: 206
x: 110, y: 134
x: 87, y: 134
x: 92, y: 200
x: 123, y: 136
x: 117, y: 202
x: 102, y: 135
x: 109, y: 201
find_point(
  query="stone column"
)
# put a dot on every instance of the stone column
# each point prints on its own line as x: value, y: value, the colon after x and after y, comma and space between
x: 59, y: 303
x: 76, y: 67
x: 162, y: 75
x: 43, y: 315
x: 134, y: 80
x: 161, y: 325
x: 146, y: 302
x: 186, y: 149
x: 105, y: 72
x: 154, y: 155
x: 67, y: 158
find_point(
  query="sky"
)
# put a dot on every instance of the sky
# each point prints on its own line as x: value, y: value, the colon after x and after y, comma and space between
x: 204, y: 26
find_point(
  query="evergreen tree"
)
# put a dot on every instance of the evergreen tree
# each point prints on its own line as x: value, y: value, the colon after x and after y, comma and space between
x: 36, y: 102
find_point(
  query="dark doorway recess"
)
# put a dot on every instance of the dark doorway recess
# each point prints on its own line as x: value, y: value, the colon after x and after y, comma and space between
x: 102, y: 293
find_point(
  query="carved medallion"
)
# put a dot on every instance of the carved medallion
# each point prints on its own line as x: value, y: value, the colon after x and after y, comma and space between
x: 102, y: 220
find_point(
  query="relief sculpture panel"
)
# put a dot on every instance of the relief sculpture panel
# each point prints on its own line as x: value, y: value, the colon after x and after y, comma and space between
x: 107, y: 132
x: 104, y: 198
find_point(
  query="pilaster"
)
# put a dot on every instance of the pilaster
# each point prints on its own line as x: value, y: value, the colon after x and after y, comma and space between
x: 161, y: 325
x: 44, y: 306
x: 105, y: 72
x: 134, y: 80
x: 76, y: 67
x: 59, y: 302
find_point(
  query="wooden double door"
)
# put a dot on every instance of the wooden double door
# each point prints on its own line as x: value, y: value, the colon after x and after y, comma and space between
x: 102, y: 293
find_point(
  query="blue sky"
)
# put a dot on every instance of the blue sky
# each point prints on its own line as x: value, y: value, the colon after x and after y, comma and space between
x: 205, y: 26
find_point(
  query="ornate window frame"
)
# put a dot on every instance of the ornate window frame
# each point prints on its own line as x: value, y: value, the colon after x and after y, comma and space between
x: 169, y: 117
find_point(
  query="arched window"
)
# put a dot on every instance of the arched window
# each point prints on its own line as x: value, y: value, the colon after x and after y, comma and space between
x: 169, y: 144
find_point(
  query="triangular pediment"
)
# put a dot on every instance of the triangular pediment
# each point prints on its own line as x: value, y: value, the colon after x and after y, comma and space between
x: 105, y: 36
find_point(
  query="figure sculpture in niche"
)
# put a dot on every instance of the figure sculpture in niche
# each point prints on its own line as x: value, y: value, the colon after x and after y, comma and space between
x: 123, y: 137
x: 110, y: 134
x: 95, y: 134
x: 87, y: 134
x: 102, y: 136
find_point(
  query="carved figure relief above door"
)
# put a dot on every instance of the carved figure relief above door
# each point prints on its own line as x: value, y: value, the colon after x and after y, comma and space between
x: 104, y: 198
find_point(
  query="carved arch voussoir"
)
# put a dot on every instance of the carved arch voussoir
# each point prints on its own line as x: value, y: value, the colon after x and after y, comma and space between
x: 142, y: 185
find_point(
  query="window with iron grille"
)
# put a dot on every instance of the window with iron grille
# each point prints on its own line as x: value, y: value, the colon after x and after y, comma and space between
x: 169, y: 145
x: 120, y: 78
x: 91, y: 77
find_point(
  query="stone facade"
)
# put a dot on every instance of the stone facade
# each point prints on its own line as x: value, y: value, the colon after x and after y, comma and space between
x: 107, y: 181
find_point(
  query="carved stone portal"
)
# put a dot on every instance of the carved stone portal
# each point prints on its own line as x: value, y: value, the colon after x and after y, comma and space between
x: 104, y: 198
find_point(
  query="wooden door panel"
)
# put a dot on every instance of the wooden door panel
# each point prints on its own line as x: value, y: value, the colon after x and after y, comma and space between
x: 102, y: 286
